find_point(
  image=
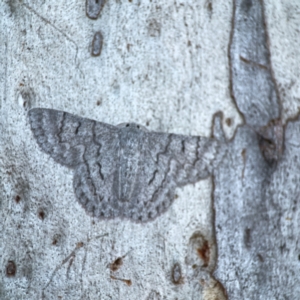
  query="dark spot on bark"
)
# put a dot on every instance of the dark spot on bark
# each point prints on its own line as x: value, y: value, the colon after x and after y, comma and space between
x: 93, y: 8
x: 128, y: 47
x: 176, y: 274
x: 128, y: 282
x: 270, y: 140
x: 55, y: 240
x: 99, y: 102
x: 11, y: 269
x: 154, y: 28
x: 147, y: 123
x: 97, y: 44
x: 182, y: 146
x: 204, y: 253
x: 17, y: 198
x: 41, y: 214
x: 282, y: 248
x: 189, y: 44
x: 199, y: 247
x: 116, y: 264
x: 244, y: 153
x: 261, y: 259
x: 28, y: 96
x: 246, y: 5
x: 228, y: 122
x: 13, y: 5
x: 154, y: 296
x: 79, y: 244
x: 247, y: 237
x: 267, y: 147
x: 209, y: 6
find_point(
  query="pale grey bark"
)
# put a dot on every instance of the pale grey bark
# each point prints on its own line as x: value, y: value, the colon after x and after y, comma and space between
x: 167, y: 66
x: 257, y: 187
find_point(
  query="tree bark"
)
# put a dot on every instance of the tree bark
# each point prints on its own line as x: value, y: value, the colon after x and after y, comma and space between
x: 171, y: 67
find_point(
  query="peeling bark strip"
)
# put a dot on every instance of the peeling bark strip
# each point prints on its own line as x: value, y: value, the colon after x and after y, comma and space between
x: 93, y: 8
x: 97, y: 44
x: 252, y: 84
x: 253, y: 87
x: 257, y: 230
x: 257, y: 247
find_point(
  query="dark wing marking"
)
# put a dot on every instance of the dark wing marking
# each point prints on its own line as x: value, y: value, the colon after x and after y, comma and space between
x: 68, y: 139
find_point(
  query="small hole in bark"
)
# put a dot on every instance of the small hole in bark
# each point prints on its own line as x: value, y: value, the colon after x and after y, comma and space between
x: 98, y: 103
x: 41, y: 214
x: 11, y: 269
x: 17, y: 198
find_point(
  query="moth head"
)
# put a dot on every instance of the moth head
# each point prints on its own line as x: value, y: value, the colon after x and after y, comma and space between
x: 132, y: 126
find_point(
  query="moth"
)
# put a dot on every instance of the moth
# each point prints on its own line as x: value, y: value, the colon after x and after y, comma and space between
x: 125, y: 170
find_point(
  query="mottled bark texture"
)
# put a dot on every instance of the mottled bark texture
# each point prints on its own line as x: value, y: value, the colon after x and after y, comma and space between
x: 167, y: 66
x: 257, y: 187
